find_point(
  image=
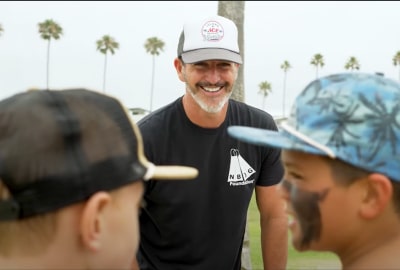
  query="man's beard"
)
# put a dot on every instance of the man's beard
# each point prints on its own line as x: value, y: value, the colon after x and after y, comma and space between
x: 203, y: 103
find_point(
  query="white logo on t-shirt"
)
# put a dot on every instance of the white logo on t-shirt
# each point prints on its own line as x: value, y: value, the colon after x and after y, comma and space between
x: 239, y: 170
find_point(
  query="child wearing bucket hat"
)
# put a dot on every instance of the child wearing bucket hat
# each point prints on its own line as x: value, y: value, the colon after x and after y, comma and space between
x: 341, y: 154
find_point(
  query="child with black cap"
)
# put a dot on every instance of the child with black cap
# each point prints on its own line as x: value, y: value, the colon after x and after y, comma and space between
x: 71, y: 165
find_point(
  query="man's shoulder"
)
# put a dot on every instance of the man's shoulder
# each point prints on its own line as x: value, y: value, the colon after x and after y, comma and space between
x: 244, y: 108
x: 158, y: 116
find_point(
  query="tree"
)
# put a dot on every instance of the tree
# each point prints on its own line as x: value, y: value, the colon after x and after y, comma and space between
x: 396, y: 61
x: 49, y: 30
x: 153, y: 46
x: 1, y: 29
x: 104, y: 45
x: 265, y: 89
x: 285, y: 66
x: 234, y: 10
x: 352, y: 64
x: 317, y: 61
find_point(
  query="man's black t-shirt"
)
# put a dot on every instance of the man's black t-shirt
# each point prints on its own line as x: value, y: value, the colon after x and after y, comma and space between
x: 199, y: 224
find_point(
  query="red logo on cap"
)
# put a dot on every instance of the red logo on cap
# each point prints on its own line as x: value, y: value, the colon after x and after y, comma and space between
x: 212, y: 31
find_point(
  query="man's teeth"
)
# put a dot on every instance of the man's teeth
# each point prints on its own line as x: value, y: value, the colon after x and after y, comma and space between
x: 212, y: 89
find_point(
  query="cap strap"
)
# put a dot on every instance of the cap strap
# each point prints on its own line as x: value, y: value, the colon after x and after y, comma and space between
x: 9, y: 210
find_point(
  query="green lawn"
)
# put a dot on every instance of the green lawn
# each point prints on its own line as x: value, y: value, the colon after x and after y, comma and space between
x: 296, y: 260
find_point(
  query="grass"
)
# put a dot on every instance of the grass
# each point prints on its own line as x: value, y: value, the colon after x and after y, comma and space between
x: 309, y: 260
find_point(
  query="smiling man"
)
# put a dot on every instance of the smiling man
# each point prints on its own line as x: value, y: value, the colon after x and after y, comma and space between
x: 200, y: 225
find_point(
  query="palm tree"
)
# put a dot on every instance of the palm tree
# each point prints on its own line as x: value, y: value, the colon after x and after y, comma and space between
x: 153, y: 46
x: 285, y: 66
x: 352, y: 64
x: 317, y: 61
x: 48, y: 30
x: 104, y: 45
x: 265, y: 89
x: 234, y: 10
x: 1, y: 29
x: 396, y: 61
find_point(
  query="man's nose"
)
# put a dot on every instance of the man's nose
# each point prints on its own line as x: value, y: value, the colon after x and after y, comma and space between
x: 213, y: 75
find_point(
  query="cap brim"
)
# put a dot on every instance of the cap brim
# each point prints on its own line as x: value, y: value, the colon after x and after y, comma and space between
x: 270, y: 138
x: 173, y: 172
x: 159, y: 172
x: 211, y: 54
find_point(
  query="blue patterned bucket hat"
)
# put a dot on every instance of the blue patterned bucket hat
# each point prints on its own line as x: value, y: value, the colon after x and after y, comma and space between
x: 354, y: 117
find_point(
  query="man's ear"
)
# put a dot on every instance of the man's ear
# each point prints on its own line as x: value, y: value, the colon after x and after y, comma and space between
x: 179, y: 69
x: 378, y: 194
x: 93, y: 219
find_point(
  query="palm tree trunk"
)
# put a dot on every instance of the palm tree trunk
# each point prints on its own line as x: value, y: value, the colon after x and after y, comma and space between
x: 48, y: 64
x: 284, y: 94
x: 316, y: 71
x: 263, y: 103
x: 152, y: 83
x: 235, y: 10
x: 104, y: 72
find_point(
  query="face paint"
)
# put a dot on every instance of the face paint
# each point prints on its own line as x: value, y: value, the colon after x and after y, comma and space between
x: 305, y: 204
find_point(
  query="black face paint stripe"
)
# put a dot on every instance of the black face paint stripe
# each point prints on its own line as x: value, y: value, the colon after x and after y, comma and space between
x: 305, y: 204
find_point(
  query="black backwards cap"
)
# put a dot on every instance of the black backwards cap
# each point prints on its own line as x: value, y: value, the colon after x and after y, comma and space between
x: 59, y: 147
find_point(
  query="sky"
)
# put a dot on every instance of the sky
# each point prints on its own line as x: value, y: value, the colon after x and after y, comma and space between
x: 274, y: 31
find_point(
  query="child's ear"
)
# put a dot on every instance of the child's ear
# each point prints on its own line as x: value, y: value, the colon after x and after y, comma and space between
x: 92, y: 223
x: 377, y: 195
